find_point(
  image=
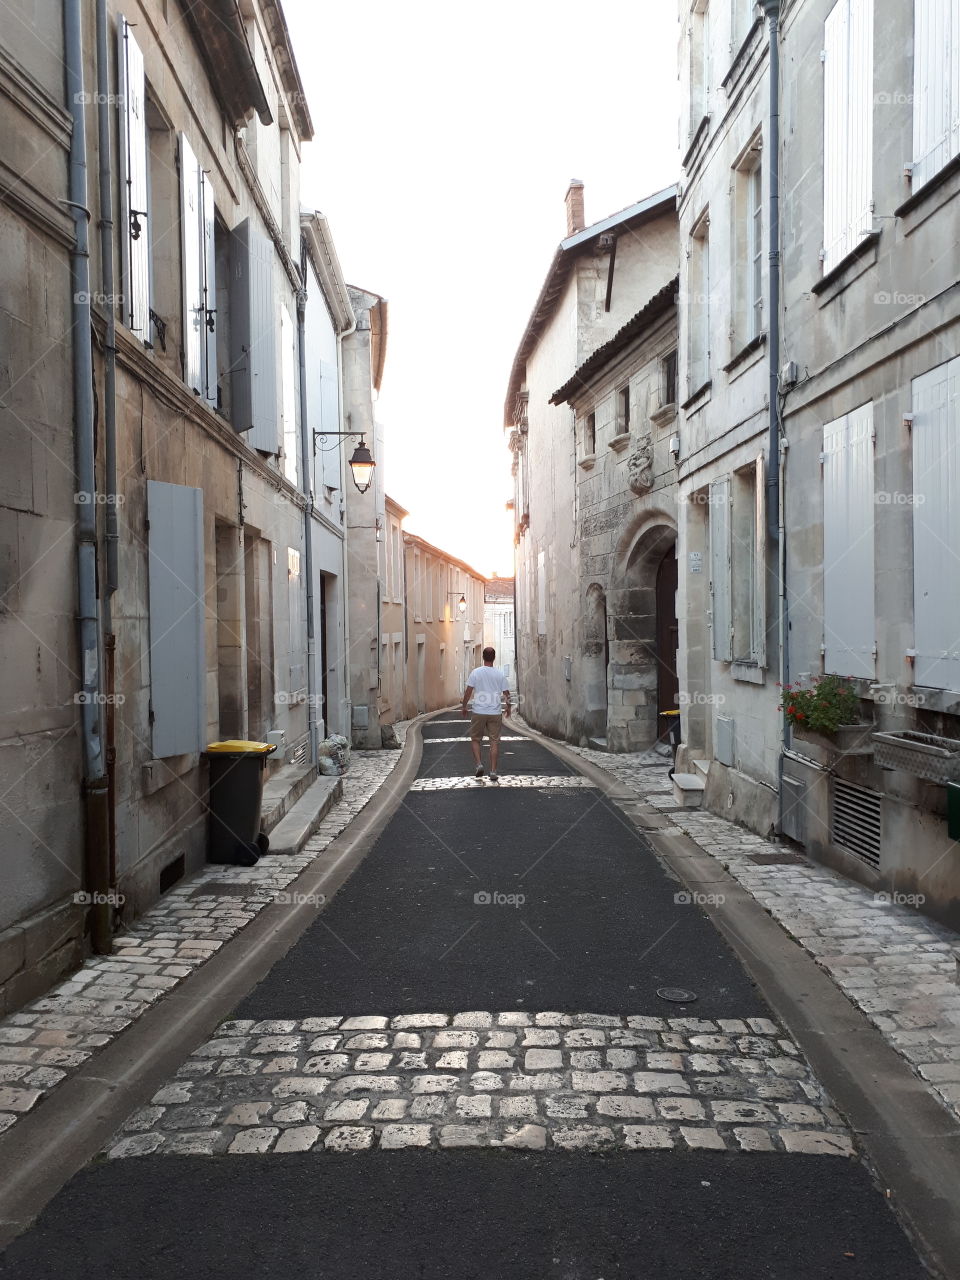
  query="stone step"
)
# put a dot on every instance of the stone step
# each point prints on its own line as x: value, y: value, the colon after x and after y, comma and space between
x: 297, y: 826
x: 702, y: 767
x: 597, y: 744
x: 281, y: 790
x: 688, y: 790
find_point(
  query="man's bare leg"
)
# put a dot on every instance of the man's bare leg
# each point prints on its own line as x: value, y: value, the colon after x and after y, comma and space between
x: 494, y: 755
x: 477, y: 749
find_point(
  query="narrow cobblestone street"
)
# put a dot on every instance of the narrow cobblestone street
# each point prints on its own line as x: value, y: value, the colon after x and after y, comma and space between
x: 511, y: 1044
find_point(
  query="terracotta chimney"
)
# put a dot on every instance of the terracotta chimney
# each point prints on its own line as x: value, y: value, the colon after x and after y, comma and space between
x: 574, y: 203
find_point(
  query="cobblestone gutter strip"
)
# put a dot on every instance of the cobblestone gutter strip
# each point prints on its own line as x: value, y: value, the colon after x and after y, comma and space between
x: 51, y: 1037
x: 515, y: 1080
x: 895, y: 965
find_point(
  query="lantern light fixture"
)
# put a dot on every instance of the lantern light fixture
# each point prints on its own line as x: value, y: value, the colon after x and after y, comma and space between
x: 361, y: 460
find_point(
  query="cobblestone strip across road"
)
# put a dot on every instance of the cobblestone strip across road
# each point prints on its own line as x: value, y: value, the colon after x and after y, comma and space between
x: 518, y: 1080
x: 896, y: 965
x: 51, y: 1037
x: 565, y: 781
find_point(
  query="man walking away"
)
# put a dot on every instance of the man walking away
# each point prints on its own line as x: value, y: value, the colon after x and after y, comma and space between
x: 487, y: 686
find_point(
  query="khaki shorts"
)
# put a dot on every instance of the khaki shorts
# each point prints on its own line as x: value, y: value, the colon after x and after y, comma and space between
x: 489, y: 725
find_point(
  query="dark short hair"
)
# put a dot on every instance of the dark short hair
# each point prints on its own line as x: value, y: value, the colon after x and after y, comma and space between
x: 489, y: 654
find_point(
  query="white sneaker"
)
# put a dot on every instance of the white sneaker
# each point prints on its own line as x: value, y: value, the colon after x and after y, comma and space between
x: 494, y: 777
x: 479, y: 772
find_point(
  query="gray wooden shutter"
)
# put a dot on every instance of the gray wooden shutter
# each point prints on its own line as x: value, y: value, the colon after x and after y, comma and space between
x: 253, y: 338
x: 759, y: 622
x: 191, y: 227
x: 936, y: 526
x: 720, y: 583
x: 175, y: 577
x: 849, y: 626
x: 135, y: 229
x: 208, y: 255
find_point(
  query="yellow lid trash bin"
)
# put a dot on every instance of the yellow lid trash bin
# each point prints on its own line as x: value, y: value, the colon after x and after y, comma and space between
x: 236, y: 797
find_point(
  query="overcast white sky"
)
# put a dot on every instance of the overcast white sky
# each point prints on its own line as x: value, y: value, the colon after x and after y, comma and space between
x: 446, y: 136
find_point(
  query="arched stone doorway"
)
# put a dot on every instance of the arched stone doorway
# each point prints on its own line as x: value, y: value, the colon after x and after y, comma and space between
x: 643, y: 658
x: 595, y: 661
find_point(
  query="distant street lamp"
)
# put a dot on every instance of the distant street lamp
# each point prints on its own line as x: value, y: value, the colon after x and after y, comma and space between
x: 461, y: 603
x: 361, y: 461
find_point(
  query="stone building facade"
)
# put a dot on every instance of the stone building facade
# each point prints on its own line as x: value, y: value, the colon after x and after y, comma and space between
x: 174, y: 564
x: 500, y: 625
x: 820, y: 538
x: 586, y: 464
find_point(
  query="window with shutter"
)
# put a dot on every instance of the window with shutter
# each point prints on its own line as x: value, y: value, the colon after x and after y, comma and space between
x: 191, y: 257
x: 135, y: 225
x: 175, y: 584
x: 936, y: 526
x: 720, y: 570
x: 253, y: 338
x: 849, y: 625
x: 288, y: 397
x: 847, y: 128
x: 936, y: 87
x: 208, y: 255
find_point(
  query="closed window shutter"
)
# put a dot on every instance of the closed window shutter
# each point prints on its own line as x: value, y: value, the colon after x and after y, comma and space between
x: 936, y: 86
x: 175, y: 582
x: 208, y: 253
x: 849, y: 626
x: 847, y: 128
x: 936, y: 526
x: 760, y: 568
x: 288, y: 397
x: 720, y: 584
x: 135, y: 229
x: 191, y: 225
x: 254, y: 339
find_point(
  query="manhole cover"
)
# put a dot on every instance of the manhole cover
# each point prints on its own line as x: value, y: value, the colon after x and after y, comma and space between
x: 777, y: 859
x: 224, y: 889
x: 676, y: 995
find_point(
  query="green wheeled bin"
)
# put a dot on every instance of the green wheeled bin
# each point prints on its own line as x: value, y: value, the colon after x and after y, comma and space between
x: 236, y: 797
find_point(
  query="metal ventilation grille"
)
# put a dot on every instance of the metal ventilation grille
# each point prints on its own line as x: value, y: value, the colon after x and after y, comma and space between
x: 856, y: 821
x: 299, y: 755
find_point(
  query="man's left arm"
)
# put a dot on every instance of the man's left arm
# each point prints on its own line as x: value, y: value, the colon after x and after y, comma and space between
x: 468, y: 694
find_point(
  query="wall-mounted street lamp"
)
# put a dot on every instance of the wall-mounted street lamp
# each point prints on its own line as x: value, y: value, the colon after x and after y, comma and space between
x: 461, y: 603
x: 361, y: 461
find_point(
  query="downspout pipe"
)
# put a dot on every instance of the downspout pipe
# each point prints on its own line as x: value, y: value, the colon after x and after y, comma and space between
x: 344, y: 584
x: 105, y: 165
x: 306, y: 486
x: 91, y: 699
x: 775, y: 452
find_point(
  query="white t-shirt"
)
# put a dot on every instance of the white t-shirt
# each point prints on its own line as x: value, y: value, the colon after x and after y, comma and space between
x: 487, y: 684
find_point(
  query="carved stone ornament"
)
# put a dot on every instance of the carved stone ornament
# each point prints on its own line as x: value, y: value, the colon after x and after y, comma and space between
x: 640, y: 467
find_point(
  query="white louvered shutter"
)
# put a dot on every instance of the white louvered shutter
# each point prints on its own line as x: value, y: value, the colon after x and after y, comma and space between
x: 135, y: 229
x: 720, y: 570
x: 191, y: 239
x: 253, y: 335
x: 759, y: 621
x: 849, y: 626
x: 936, y: 527
x: 847, y: 128
x: 208, y: 254
x: 936, y: 87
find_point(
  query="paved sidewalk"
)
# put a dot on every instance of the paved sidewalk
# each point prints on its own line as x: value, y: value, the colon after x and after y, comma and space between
x: 893, y: 963
x: 52, y: 1036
